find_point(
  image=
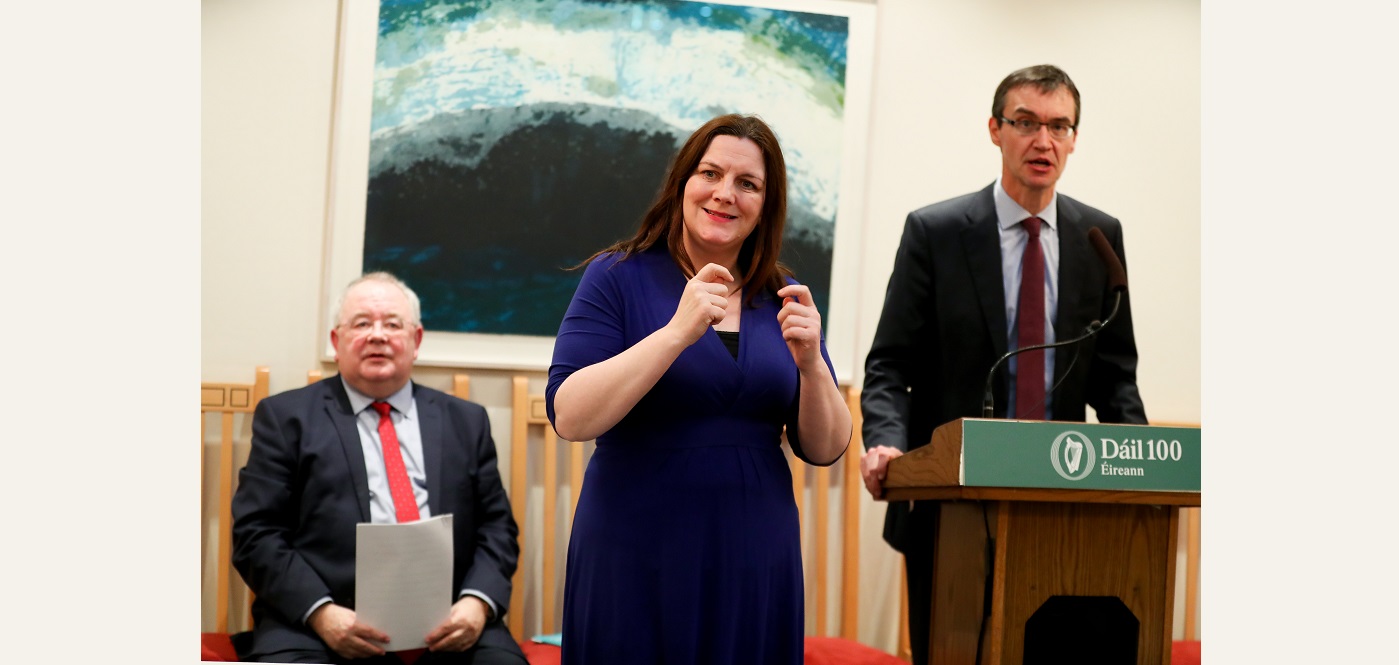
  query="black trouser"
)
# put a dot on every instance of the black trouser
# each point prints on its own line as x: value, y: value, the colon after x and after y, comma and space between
x: 478, y: 655
x: 919, y: 570
x: 495, y: 647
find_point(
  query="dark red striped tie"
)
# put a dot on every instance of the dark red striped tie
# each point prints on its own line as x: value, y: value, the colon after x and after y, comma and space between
x: 1029, y: 372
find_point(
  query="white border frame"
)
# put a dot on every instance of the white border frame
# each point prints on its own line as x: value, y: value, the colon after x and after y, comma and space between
x: 347, y: 188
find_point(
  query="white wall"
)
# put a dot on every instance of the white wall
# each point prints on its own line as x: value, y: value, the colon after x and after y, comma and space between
x: 268, y: 75
x: 268, y: 78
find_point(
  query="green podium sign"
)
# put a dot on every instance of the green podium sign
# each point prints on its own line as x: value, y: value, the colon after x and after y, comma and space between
x: 1000, y: 453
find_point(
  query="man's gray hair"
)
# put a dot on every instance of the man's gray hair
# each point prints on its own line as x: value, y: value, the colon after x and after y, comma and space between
x: 414, y: 306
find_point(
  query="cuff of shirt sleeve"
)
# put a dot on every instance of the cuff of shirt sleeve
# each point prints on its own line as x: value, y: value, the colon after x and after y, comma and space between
x: 307, y: 616
x: 495, y: 611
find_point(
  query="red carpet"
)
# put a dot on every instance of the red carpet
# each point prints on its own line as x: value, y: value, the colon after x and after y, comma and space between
x: 215, y: 647
x: 1185, y: 653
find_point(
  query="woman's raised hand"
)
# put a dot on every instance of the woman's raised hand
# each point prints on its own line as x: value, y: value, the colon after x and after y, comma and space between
x: 801, y: 326
x: 703, y: 303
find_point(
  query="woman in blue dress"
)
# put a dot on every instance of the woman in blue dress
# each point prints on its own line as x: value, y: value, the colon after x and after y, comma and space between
x: 685, y: 352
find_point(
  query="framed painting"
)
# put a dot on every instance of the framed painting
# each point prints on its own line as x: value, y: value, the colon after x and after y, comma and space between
x: 483, y: 149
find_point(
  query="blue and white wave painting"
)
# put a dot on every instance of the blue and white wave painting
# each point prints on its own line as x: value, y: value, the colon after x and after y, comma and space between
x: 511, y: 139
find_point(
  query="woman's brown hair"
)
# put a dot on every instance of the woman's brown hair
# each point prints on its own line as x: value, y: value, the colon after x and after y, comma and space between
x: 757, y: 259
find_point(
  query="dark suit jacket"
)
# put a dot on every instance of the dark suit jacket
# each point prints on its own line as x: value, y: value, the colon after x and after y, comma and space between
x: 304, y: 489
x: 944, y: 325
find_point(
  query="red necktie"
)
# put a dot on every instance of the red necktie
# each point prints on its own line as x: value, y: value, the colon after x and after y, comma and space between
x: 405, y: 505
x: 1029, y: 371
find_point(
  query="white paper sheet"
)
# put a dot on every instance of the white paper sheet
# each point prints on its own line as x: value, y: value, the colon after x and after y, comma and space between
x: 403, y: 578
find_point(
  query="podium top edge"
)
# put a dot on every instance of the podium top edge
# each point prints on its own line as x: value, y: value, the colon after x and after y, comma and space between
x: 1170, y: 425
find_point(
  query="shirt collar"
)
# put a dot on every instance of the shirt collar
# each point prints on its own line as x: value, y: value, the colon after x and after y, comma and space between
x: 401, y: 401
x: 1009, y: 213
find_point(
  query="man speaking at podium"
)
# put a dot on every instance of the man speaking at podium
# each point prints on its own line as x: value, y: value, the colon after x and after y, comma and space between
x: 1007, y: 267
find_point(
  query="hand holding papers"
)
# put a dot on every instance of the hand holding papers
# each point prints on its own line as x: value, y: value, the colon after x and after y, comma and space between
x: 403, y: 578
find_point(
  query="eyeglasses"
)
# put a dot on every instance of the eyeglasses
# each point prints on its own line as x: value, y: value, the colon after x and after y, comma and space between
x: 1027, y: 127
x: 361, y: 326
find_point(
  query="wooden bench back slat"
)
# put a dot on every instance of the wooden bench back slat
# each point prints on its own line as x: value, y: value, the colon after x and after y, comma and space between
x: 226, y: 400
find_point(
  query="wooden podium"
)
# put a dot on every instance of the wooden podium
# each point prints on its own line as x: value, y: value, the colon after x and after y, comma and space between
x: 1017, y: 528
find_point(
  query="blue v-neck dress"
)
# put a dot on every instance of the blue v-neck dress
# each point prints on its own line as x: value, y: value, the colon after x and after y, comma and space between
x: 685, y: 547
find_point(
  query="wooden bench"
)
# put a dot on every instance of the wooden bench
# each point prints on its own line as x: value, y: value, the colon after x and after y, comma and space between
x: 539, y: 493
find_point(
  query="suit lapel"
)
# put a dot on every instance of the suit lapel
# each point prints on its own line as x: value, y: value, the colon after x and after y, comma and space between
x: 337, y: 408
x: 981, y: 241
x: 430, y: 428
x: 1073, y: 276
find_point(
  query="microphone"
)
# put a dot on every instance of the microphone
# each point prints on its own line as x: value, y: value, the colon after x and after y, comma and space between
x: 1117, y: 282
x: 1117, y: 275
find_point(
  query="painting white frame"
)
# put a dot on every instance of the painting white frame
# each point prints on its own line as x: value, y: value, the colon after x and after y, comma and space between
x: 348, y: 188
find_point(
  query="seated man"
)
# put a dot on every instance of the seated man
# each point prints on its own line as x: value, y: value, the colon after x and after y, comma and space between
x: 317, y: 468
